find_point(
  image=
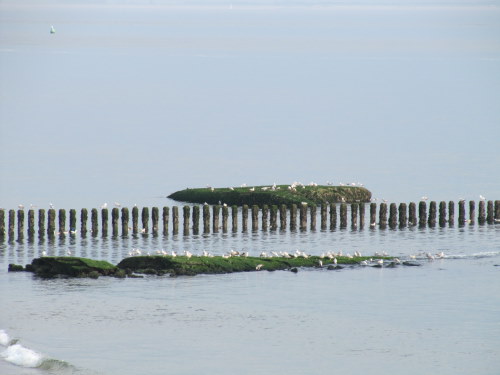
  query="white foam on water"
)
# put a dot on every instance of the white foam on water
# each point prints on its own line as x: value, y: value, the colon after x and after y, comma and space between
x: 21, y: 356
x: 4, y: 338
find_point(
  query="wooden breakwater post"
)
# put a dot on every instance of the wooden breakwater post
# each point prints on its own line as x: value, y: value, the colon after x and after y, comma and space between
x: 373, y: 214
x: 72, y: 221
x: 382, y: 215
x: 165, y: 219
x: 432, y: 214
x: 472, y: 212
x: 442, y: 214
x: 41, y: 223
x: 324, y: 214
x: 115, y: 217
x: 412, y: 214
x: 2, y: 224
x: 244, y: 218
x: 481, y: 218
x: 354, y: 215
x: 255, y: 217
x: 135, y: 220
x: 225, y: 218
x: 393, y: 215
x: 12, y: 224
x: 104, y: 221
x: 343, y: 215
x: 497, y: 210
x: 312, y: 211
x: 175, y: 220
x: 20, y: 224
x: 186, y: 216
x: 155, y: 220
x: 422, y: 214
x: 145, y: 220
x: 94, y: 225
x: 31, y: 225
x: 403, y: 218
x: 125, y: 220
x: 274, y: 217
x: 490, y: 215
x: 461, y: 213
x: 293, y: 217
x: 215, y: 218
x: 361, y: 215
x: 303, y: 216
x: 234, y: 218
x: 84, y: 216
x: 333, y: 216
x: 62, y: 221
x: 265, y: 216
x: 451, y: 213
x: 196, y: 219
x: 206, y: 218
x: 283, y: 216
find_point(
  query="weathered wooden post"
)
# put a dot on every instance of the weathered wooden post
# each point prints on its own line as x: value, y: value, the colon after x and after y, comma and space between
x: 12, y: 224
x: 84, y: 216
x: 442, y: 214
x: 175, y: 219
x: 234, y: 218
x: 72, y: 221
x: 283, y: 214
x: 303, y: 216
x: 2, y: 225
x: 481, y: 218
x: 412, y: 214
x: 313, y: 213
x: 41, y: 223
x: 255, y: 217
x: 115, y: 217
x: 333, y: 216
x: 323, y: 213
x: 293, y: 217
x: 244, y: 218
x: 145, y: 220
x: 274, y: 217
x: 225, y: 218
x: 403, y: 219
x: 451, y: 213
x: 472, y: 212
x: 265, y: 216
x: 104, y: 219
x: 206, y: 218
x: 215, y: 218
x: 373, y: 214
x: 20, y: 224
x: 186, y: 218
x: 135, y: 220
x: 490, y: 216
x: 354, y: 215
x: 196, y: 219
x: 497, y: 210
x: 382, y: 215
x: 165, y: 218
x: 422, y: 214
x: 343, y: 215
x: 93, y: 221
x: 155, y: 218
x: 125, y: 220
x: 31, y: 224
x: 361, y: 215
x: 393, y: 215
x: 461, y: 212
x: 62, y: 221
x: 432, y: 214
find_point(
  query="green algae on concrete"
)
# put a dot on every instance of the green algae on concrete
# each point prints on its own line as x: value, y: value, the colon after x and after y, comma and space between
x: 265, y: 195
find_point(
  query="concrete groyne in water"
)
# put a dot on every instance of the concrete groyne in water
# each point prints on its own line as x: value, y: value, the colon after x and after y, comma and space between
x: 16, y: 225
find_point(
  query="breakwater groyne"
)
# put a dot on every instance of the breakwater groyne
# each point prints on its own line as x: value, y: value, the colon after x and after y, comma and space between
x: 20, y: 224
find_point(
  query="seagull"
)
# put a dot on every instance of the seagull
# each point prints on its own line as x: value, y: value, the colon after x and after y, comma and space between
x: 21, y: 206
x: 252, y: 189
x: 52, y: 30
x: 117, y: 204
x: 105, y: 205
x: 481, y: 197
x: 259, y: 266
x: 51, y: 206
x: 424, y: 198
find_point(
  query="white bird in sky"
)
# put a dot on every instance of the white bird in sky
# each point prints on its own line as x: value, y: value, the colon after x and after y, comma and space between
x: 52, y: 30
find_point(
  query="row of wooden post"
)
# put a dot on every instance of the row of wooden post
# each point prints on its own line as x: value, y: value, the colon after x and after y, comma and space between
x: 390, y: 215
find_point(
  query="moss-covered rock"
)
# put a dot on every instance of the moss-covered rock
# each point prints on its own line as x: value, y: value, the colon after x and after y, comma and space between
x: 71, y: 266
x: 264, y: 195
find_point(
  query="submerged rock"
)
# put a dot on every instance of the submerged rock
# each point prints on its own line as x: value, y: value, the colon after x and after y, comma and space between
x: 411, y: 264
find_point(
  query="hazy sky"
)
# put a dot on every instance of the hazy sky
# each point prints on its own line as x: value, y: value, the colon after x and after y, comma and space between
x: 130, y: 103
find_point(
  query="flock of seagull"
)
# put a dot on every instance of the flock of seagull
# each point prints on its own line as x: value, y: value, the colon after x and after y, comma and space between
x: 292, y: 187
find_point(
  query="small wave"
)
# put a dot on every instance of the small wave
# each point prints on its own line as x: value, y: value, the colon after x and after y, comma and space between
x: 21, y: 356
